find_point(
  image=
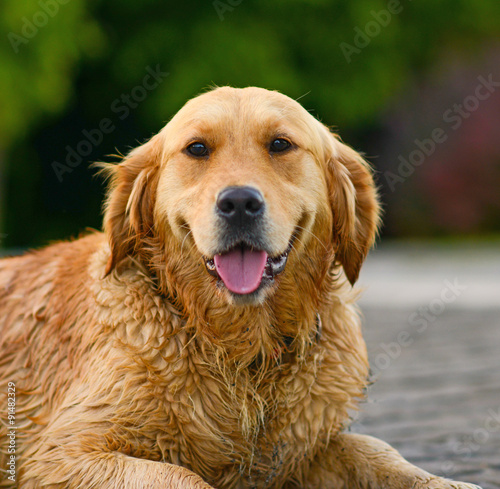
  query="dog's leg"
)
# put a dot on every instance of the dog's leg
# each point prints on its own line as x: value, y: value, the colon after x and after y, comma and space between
x: 354, y: 461
x: 107, y: 471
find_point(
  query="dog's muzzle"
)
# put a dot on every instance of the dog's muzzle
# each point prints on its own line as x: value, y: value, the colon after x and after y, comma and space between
x: 243, y: 265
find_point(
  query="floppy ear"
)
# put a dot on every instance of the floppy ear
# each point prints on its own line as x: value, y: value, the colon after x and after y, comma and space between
x: 355, y: 206
x: 128, y: 214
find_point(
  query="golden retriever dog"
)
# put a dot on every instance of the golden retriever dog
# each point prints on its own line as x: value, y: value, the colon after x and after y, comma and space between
x: 209, y: 338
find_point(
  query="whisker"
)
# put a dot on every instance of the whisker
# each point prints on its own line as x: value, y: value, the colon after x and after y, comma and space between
x: 185, y: 237
x: 314, y: 236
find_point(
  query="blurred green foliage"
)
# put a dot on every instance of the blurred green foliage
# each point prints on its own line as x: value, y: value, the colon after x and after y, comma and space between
x: 62, y: 77
x: 39, y: 57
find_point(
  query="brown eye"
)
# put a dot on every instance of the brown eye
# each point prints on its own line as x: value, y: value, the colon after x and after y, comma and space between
x: 279, y: 145
x: 197, y: 149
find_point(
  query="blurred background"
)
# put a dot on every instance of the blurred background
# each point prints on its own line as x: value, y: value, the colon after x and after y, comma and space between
x: 415, y: 85
x: 412, y: 84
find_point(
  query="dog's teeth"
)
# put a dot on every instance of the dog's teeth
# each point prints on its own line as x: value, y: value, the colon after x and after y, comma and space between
x: 278, y: 264
x: 210, y: 266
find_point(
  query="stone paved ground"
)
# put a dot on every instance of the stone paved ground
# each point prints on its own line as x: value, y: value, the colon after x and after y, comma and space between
x: 432, y: 326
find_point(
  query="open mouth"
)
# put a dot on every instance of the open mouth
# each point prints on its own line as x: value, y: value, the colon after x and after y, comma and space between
x: 243, y: 269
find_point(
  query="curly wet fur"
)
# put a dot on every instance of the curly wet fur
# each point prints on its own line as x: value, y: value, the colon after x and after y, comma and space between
x: 133, y: 369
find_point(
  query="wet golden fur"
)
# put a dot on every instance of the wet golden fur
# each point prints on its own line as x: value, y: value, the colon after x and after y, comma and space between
x: 133, y: 368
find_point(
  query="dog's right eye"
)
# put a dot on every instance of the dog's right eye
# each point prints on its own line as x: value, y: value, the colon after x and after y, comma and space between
x: 197, y: 149
x: 279, y: 145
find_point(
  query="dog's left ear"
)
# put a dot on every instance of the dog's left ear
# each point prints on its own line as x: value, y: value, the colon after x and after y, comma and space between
x: 129, y: 208
x: 355, y: 206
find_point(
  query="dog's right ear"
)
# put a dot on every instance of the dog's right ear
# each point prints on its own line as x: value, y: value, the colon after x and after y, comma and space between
x: 128, y: 212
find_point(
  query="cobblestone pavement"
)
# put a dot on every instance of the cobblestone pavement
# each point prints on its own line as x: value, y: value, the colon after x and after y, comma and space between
x: 432, y: 326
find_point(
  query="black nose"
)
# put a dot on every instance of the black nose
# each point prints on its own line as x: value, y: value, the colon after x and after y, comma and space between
x: 240, y: 205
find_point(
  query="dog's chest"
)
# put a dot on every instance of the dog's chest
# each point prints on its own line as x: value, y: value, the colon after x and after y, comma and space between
x: 240, y: 434
x: 228, y: 428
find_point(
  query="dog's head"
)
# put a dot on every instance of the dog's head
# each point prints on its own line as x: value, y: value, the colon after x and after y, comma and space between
x: 237, y: 188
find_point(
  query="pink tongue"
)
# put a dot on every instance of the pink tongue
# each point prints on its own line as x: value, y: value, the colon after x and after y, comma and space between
x: 241, y: 269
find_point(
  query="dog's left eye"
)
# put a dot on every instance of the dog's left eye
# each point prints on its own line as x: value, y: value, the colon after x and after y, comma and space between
x: 197, y: 149
x: 279, y: 145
